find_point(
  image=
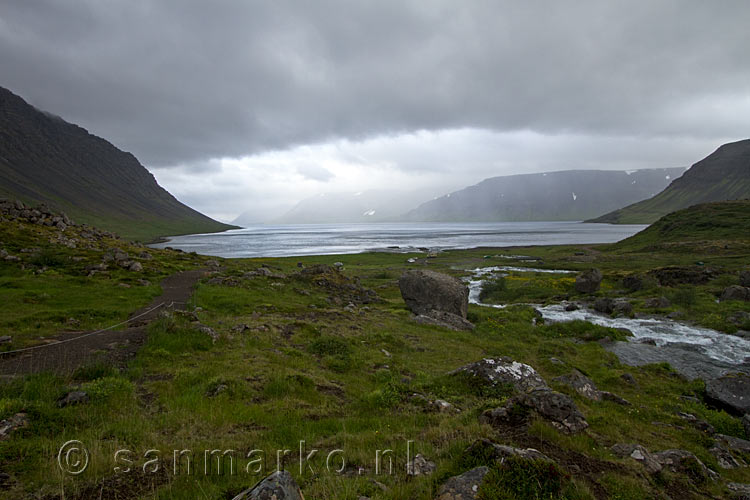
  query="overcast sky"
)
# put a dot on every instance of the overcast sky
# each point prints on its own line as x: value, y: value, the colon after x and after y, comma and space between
x: 249, y: 105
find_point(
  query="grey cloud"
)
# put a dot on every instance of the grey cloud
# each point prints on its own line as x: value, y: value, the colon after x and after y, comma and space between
x: 179, y: 82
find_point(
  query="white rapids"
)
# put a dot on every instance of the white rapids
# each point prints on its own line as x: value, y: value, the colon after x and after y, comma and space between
x: 722, y: 347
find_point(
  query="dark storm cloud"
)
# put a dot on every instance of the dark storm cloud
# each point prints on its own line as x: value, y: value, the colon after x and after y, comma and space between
x: 186, y: 81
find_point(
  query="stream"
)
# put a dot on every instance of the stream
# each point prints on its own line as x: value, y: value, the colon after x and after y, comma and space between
x: 693, y: 351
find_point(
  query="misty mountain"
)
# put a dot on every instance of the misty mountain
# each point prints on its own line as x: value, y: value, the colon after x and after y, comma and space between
x: 363, y: 206
x: 551, y: 196
x: 43, y: 158
x: 722, y: 176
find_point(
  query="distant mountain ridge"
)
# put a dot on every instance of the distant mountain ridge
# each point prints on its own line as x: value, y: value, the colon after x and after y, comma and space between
x: 43, y: 158
x: 722, y: 176
x: 567, y: 195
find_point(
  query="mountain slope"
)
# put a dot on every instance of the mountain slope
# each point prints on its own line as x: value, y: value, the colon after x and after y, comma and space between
x: 564, y: 195
x: 719, y: 223
x: 366, y: 206
x: 723, y: 175
x: 46, y: 159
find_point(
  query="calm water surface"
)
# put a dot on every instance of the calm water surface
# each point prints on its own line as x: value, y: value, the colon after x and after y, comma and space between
x: 325, y: 239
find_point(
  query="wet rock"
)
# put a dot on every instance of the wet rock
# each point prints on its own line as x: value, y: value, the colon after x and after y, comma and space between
x: 571, y: 307
x: 724, y: 458
x: 10, y: 425
x: 445, y: 320
x: 278, y: 486
x: 622, y: 307
x: 685, y: 463
x: 588, y: 281
x: 73, y: 398
x: 736, y: 292
x: 632, y: 283
x: 731, y: 392
x: 463, y: 487
x: 639, y: 454
x: 420, y: 466
x: 425, y: 291
x: 503, y: 370
x: 604, y: 305
x: 657, y: 303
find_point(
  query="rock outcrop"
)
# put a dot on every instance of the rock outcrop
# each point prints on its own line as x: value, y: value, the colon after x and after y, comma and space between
x: 463, y: 487
x: 503, y: 370
x: 556, y: 408
x: 278, y: 486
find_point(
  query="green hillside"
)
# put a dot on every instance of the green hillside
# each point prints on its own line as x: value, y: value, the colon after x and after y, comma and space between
x: 705, y: 225
x: 723, y: 175
x: 44, y: 159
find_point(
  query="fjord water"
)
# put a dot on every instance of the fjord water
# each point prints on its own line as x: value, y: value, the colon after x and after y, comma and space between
x: 327, y: 239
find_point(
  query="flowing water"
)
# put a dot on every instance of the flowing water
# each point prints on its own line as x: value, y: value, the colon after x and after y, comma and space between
x: 694, y: 351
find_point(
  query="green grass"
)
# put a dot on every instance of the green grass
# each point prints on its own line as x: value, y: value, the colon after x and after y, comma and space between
x: 309, y: 370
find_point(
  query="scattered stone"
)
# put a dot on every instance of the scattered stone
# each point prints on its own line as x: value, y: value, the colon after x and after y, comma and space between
x: 463, y: 487
x: 145, y: 255
x: 443, y: 406
x: 339, y: 266
x: 724, y: 458
x: 741, y: 490
x: 736, y: 292
x: 445, y: 320
x: 216, y: 390
x: 685, y: 462
x: 699, y: 424
x: 732, y: 443
x: 588, y: 281
x: 746, y: 424
x: 557, y: 408
x: 143, y: 282
x: 503, y: 370
x: 386, y: 353
x: 630, y: 379
x: 214, y: 264
x: 278, y: 486
x: 425, y: 291
x: 731, y: 392
x: 571, y: 307
x: 639, y: 454
x: 420, y: 466
x: 556, y: 361
x: 136, y: 267
x: 632, y: 283
x: 9, y: 425
x: 123, y: 285
x: 745, y: 278
x: 241, y: 328
x: 493, y: 451
x: 672, y: 276
x: 614, y: 398
x: 73, y: 398
x: 208, y: 331
x: 6, y: 339
x: 657, y: 303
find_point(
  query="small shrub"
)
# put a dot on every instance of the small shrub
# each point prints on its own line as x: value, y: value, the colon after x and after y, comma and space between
x: 329, y: 346
x: 93, y: 371
x: 583, y: 330
x: 685, y: 297
x: 107, y: 387
x: 493, y: 288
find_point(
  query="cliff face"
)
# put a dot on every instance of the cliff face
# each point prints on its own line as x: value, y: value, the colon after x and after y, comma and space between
x: 722, y: 176
x: 46, y: 159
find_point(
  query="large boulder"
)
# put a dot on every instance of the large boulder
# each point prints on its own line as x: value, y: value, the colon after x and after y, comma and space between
x: 503, y: 370
x: 278, y: 486
x: 463, y: 487
x: 588, y: 281
x: 425, y: 291
x: 736, y: 292
x: 731, y: 392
